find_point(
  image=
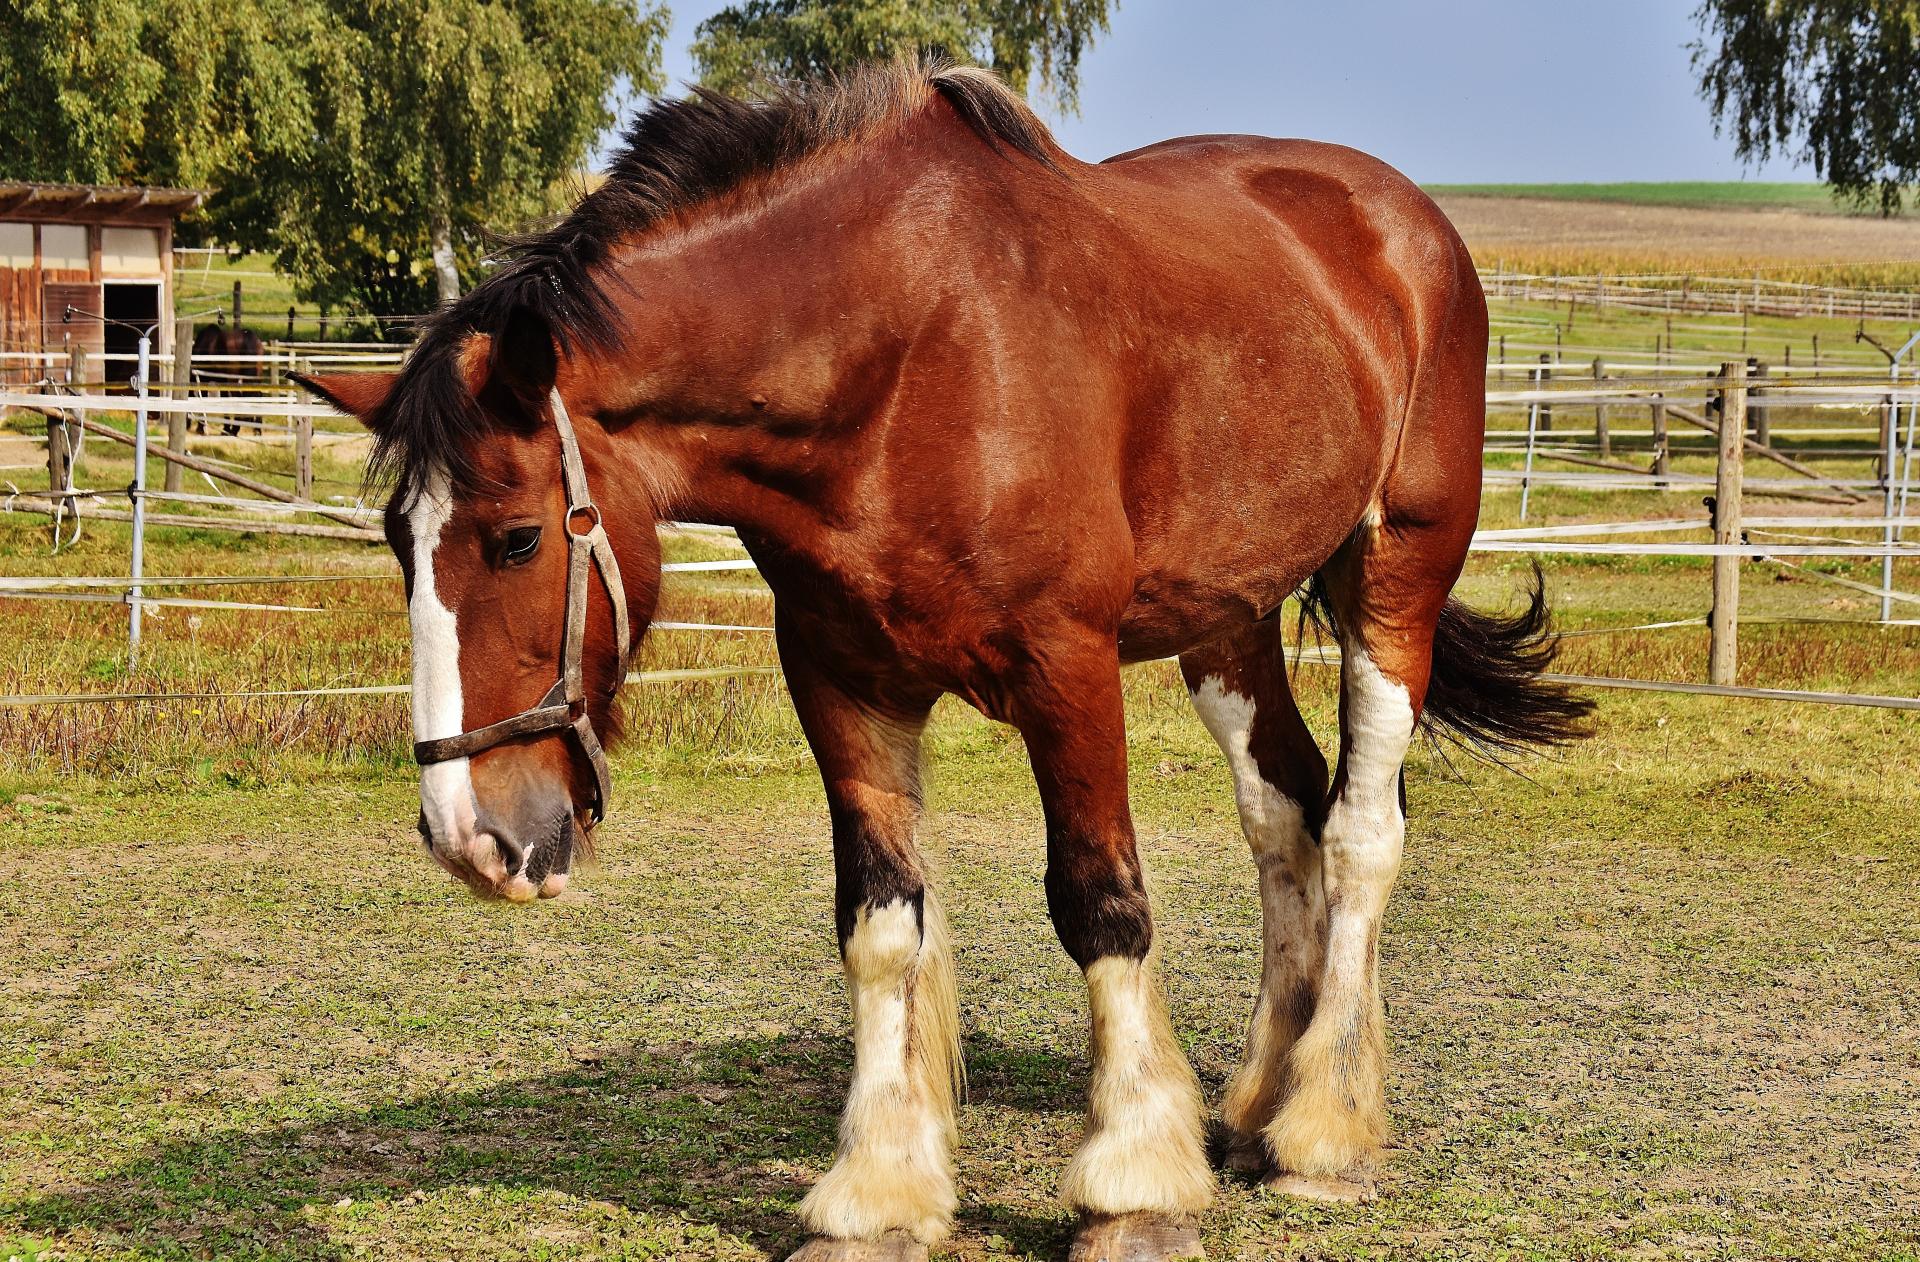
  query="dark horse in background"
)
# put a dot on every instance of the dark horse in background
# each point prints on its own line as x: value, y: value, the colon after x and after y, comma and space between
x: 224, y: 339
x: 992, y: 422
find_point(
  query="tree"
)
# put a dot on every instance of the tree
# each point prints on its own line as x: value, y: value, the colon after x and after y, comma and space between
x: 373, y: 146
x: 1839, y: 79
x: 144, y: 91
x: 746, y: 45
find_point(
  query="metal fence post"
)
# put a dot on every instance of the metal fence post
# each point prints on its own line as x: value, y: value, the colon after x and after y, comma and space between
x: 1662, y: 459
x: 1891, y: 440
x: 1723, y: 650
x: 303, y: 459
x: 1533, y: 429
x: 138, y: 494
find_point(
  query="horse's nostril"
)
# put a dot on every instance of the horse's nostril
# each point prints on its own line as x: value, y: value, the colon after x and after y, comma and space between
x: 512, y: 852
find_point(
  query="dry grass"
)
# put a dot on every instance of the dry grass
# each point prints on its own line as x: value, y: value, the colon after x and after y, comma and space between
x: 1658, y: 1003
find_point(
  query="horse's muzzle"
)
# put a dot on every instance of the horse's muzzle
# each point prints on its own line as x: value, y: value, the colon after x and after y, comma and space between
x: 503, y: 863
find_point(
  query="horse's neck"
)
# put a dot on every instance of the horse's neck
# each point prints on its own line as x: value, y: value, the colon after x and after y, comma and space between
x: 762, y: 346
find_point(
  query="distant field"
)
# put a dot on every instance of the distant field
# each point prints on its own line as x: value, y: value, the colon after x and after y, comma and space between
x: 1817, y: 199
x: 1581, y: 236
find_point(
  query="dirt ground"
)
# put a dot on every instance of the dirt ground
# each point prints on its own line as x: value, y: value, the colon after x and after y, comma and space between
x: 1663, y: 1001
x: 1517, y: 225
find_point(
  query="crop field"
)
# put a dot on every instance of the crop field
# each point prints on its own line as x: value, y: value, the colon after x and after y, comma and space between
x: 1801, y: 237
x: 1806, y: 197
x: 1658, y: 997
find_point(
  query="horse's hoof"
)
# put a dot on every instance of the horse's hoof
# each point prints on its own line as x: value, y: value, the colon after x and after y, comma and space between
x: 1144, y: 1237
x: 1350, y: 1188
x: 895, y: 1246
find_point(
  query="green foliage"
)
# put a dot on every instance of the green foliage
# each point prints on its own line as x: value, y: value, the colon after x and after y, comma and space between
x: 745, y: 46
x: 339, y: 133
x: 463, y: 112
x: 160, y: 92
x: 1838, y: 78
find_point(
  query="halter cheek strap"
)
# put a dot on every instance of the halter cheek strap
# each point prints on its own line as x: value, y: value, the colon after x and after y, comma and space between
x: 565, y: 705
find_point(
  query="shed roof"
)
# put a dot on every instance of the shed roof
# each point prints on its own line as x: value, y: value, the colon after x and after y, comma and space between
x: 23, y: 199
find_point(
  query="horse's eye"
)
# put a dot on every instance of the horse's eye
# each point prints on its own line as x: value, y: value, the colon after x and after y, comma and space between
x: 521, y: 543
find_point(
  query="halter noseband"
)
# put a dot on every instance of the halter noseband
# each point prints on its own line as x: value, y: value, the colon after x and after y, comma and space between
x: 565, y: 705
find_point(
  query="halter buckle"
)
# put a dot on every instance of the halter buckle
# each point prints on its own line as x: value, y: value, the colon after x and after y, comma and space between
x: 591, y: 511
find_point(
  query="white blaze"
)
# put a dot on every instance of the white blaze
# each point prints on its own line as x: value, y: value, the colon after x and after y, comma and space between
x: 446, y: 788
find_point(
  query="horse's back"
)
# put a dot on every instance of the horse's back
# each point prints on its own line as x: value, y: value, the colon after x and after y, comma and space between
x: 1344, y: 224
x: 1309, y: 296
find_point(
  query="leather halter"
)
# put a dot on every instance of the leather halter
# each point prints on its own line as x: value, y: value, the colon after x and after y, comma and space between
x: 565, y: 705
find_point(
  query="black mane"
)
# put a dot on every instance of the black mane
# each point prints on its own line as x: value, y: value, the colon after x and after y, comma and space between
x: 677, y: 155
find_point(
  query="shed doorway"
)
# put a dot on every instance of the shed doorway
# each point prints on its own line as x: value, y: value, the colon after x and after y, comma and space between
x: 131, y: 307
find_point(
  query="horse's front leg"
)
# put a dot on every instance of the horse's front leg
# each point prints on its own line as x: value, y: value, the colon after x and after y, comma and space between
x: 890, y: 1191
x: 1141, y: 1174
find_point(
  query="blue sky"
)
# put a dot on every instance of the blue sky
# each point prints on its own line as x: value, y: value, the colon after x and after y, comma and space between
x: 1449, y: 91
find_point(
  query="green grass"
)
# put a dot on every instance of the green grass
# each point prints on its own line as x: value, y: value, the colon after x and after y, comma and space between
x: 1809, y: 198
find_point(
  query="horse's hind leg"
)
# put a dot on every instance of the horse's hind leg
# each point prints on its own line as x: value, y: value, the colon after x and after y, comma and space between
x: 1239, y: 686
x: 1386, y: 586
x: 890, y: 1190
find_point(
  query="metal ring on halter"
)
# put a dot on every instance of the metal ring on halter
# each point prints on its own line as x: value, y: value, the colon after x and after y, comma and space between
x: 564, y: 707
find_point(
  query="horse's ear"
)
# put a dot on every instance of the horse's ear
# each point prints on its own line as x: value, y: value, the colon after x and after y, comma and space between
x: 524, y: 359
x: 360, y: 394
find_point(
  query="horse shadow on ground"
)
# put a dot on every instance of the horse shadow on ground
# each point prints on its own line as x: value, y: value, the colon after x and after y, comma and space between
x: 722, y: 1134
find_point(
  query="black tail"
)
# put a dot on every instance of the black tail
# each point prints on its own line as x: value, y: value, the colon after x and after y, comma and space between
x: 1486, y: 694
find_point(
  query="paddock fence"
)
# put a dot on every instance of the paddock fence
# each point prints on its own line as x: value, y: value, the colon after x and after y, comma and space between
x: 1853, y: 439
x: 1683, y: 292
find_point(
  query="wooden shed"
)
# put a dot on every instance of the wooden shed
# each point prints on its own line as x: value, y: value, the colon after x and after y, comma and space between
x: 104, y: 250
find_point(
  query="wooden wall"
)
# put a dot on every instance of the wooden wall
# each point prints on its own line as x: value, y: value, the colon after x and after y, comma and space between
x: 32, y: 300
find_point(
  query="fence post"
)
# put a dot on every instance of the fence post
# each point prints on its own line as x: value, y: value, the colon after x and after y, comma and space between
x: 1889, y: 438
x: 59, y: 469
x: 1541, y: 377
x: 1756, y: 406
x: 1600, y: 431
x: 138, y: 494
x: 303, y: 459
x: 290, y: 315
x: 76, y: 377
x: 182, y: 380
x: 1533, y: 430
x: 1724, y: 622
x: 1661, y: 458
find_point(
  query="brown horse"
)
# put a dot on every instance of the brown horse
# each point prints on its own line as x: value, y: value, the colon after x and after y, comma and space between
x: 215, y: 340
x: 992, y: 422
